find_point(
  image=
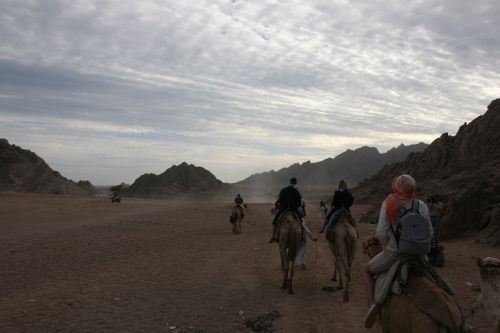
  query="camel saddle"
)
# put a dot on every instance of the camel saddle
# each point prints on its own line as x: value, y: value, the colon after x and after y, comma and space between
x: 430, y: 293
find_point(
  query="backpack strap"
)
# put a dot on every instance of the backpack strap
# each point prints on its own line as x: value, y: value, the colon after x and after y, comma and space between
x: 403, y: 210
x: 396, y: 237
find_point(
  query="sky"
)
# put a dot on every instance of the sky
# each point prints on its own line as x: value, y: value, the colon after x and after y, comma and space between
x: 109, y: 90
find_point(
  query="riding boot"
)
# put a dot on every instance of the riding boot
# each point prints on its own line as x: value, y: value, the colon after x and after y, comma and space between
x: 371, y: 315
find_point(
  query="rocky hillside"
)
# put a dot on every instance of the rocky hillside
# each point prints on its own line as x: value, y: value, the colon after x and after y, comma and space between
x: 182, y: 179
x: 464, y: 169
x: 323, y: 176
x: 23, y: 171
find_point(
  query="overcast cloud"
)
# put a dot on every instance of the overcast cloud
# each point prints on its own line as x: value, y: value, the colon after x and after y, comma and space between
x: 109, y: 90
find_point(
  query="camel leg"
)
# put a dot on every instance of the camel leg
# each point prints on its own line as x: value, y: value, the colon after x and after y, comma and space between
x: 334, y: 277
x: 339, y: 269
x: 284, y: 266
x: 291, y: 267
x: 285, y: 280
x: 348, y: 280
x: 332, y: 248
x: 351, y: 244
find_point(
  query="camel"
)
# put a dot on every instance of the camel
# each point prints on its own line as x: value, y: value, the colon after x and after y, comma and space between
x: 237, y: 216
x: 421, y: 307
x: 489, y: 300
x: 342, y: 239
x: 290, y: 235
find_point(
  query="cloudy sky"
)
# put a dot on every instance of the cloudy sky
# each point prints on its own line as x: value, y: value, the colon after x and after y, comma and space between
x: 108, y: 90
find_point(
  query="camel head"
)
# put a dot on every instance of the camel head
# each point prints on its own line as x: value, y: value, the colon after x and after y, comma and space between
x: 371, y: 246
x: 489, y: 268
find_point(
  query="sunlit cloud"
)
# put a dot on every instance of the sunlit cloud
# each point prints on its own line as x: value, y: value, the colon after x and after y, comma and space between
x: 107, y: 91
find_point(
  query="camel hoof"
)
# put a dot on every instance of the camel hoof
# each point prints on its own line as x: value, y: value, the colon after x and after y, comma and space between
x: 291, y: 291
x: 328, y: 289
x: 340, y: 288
x: 346, y: 297
x: 333, y: 279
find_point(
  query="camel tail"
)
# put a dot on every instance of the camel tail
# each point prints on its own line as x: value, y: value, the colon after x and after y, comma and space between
x: 293, y: 245
x: 350, y: 244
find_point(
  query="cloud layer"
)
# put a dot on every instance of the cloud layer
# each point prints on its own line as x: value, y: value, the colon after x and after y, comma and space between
x: 107, y: 90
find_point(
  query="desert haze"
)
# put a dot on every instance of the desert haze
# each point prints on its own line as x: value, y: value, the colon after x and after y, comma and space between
x: 83, y: 264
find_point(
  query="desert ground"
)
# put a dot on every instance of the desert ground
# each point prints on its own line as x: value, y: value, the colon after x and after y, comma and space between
x: 83, y: 264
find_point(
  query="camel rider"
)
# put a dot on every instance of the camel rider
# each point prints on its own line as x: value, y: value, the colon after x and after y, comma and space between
x: 342, y: 199
x: 402, y: 198
x: 238, y: 200
x: 436, y: 209
x: 289, y: 198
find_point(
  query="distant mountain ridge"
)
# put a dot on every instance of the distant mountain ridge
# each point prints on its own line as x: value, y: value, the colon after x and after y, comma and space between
x: 464, y: 169
x: 351, y: 165
x: 23, y: 171
x: 177, y: 180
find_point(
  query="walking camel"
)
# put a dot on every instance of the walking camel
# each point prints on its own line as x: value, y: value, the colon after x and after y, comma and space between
x: 342, y: 239
x: 290, y: 235
x: 237, y: 215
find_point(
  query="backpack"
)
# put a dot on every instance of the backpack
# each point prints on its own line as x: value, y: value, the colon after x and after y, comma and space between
x: 412, y: 234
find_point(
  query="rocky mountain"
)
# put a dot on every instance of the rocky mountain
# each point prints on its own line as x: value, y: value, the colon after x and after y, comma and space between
x: 178, y: 180
x: 23, y: 171
x: 464, y: 169
x: 323, y: 177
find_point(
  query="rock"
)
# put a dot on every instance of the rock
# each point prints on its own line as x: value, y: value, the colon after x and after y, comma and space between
x: 175, y: 181
x: 463, y: 169
x: 23, y: 171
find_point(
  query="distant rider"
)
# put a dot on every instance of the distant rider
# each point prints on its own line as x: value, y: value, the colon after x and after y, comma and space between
x: 238, y: 200
x: 436, y: 209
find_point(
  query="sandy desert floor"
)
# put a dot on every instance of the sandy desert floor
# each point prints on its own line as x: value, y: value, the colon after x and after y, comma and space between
x: 85, y: 265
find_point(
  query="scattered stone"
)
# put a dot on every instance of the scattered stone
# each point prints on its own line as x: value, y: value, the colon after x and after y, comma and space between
x: 263, y: 323
x: 474, y: 287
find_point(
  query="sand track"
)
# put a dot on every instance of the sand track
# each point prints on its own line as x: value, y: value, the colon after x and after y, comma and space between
x: 85, y: 265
